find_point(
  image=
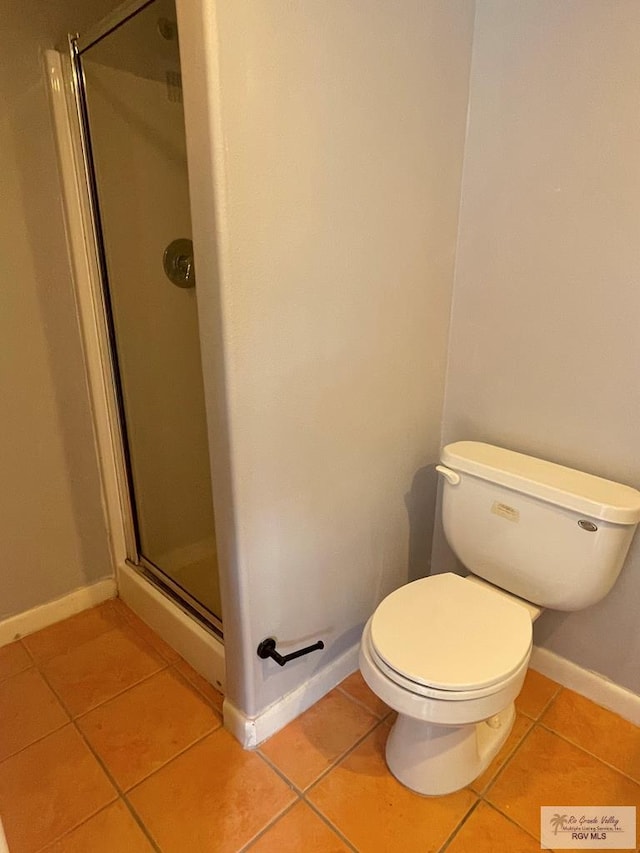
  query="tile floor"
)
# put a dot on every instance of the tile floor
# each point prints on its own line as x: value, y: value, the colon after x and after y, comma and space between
x: 110, y: 743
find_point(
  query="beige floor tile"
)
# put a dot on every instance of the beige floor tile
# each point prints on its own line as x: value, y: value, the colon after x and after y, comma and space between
x: 597, y: 730
x: 537, y: 691
x: 29, y: 710
x: 63, y: 636
x: 213, y: 696
x: 376, y: 813
x: 356, y: 687
x: 310, y: 744
x: 299, y: 831
x: 521, y: 727
x: 148, y: 725
x: 49, y: 788
x: 97, y: 670
x: 487, y: 831
x: 216, y: 796
x: 148, y: 634
x: 13, y: 658
x: 546, y: 770
x: 113, y: 830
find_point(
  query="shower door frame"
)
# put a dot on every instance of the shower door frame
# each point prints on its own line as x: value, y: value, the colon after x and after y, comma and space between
x: 104, y: 326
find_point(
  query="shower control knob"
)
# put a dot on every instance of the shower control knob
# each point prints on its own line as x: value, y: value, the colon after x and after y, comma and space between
x: 177, y: 262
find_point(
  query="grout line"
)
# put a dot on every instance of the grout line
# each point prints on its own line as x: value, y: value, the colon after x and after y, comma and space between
x: 314, y: 808
x: 337, y: 760
x: 6, y: 678
x: 507, y: 759
x: 30, y: 665
x: 269, y: 825
x: 545, y: 706
x: 114, y: 624
x: 118, y: 790
x: 550, y: 702
x: 362, y: 705
x: 68, y: 832
x: 73, y: 720
x: 457, y: 829
x: 119, y: 794
x: 123, y: 627
x: 279, y: 772
x: 122, y: 792
x: 174, y: 662
x: 487, y: 789
x: 342, y: 756
x: 69, y: 720
x: 71, y: 829
x: 143, y: 827
x: 114, y: 782
x: 149, y: 646
x: 497, y: 808
x: 195, y: 687
x: 37, y: 740
x: 513, y: 822
x: 126, y: 791
x: 132, y: 625
x: 586, y: 751
x: 104, y: 702
x: 27, y: 650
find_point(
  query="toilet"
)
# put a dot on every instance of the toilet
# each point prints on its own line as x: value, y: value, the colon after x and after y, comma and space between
x: 450, y: 653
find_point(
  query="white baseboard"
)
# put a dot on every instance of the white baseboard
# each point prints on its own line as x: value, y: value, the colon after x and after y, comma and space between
x: 197, y: 646
x: 53, y: 611
x: 252, y: 731
x: 590, y: 684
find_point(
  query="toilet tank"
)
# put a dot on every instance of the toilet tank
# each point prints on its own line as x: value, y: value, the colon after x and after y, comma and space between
x: 552, y: 535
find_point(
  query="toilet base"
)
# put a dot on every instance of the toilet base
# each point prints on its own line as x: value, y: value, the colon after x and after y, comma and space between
x: 433, y: 760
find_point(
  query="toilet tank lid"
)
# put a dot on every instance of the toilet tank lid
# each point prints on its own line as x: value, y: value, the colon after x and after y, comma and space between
x: 566, y: 487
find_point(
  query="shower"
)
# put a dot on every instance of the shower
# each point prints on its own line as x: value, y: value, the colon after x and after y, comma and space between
x: 128, y: 86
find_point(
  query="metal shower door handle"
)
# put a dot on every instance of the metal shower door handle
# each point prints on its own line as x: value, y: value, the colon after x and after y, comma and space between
x: 177, y: 262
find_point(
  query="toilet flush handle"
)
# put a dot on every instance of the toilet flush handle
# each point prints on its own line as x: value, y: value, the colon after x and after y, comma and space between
x: 452, y: 477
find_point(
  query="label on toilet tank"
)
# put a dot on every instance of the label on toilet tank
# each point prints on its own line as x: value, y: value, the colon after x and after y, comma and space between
x: 506, y: 511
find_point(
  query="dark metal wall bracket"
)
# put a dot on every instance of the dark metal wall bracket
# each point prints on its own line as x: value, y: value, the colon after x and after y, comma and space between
x: 267, y: 649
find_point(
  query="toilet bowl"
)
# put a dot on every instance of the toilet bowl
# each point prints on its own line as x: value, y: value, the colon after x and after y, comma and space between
x: 448, y: 653
x: 452, y: 677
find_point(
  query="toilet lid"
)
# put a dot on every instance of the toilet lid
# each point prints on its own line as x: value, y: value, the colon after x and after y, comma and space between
x: 446, y: 632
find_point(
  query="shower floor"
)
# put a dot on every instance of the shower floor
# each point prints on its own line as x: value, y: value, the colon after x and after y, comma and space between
x: 110, y: 742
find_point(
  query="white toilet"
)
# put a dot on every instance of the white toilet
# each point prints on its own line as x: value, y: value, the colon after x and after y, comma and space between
x: 448, y: 653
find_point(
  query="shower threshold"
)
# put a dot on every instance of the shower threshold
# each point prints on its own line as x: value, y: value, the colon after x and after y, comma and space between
x: 178, y: 595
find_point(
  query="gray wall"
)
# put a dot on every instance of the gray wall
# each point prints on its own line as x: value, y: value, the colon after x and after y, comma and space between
x: 544, y: 344
x: 52, y: 528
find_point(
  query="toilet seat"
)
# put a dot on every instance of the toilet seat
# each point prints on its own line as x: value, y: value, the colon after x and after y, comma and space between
x: 433, y: 692
x: 445, y: 637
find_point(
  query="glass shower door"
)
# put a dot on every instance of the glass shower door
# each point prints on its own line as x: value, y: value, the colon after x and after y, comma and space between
x: 133, y: 105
